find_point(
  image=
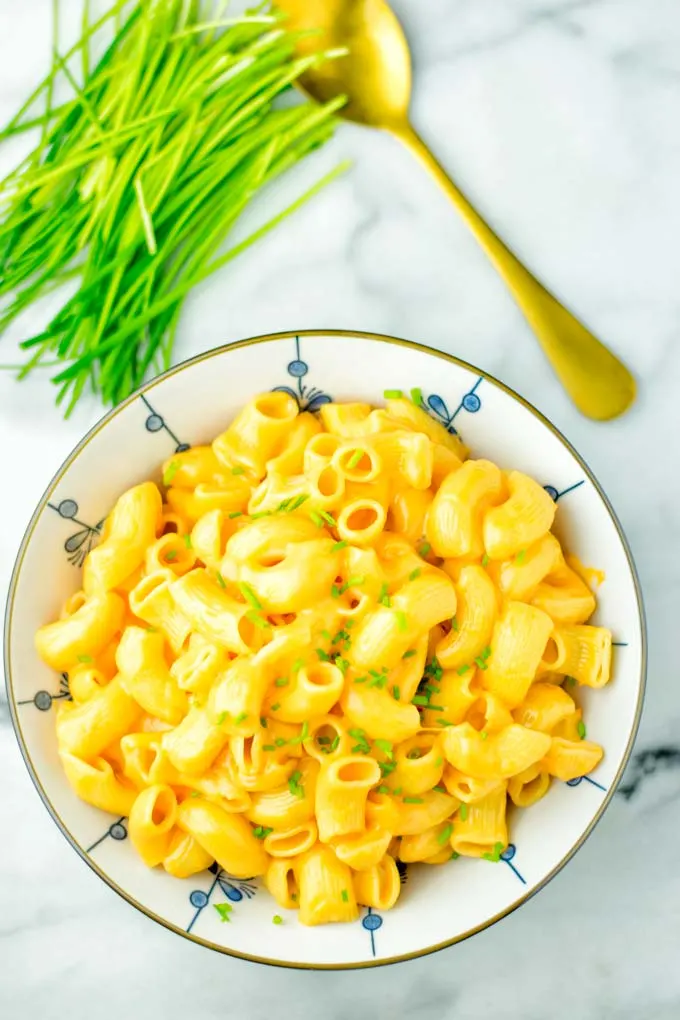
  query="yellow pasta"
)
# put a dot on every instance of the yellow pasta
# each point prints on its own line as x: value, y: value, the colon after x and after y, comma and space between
x: 327, y: 643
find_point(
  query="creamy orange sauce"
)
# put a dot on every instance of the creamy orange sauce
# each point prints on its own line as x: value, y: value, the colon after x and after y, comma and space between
x: 591, y: 575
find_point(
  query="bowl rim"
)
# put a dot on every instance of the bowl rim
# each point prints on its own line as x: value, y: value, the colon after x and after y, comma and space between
x: 150, y: 385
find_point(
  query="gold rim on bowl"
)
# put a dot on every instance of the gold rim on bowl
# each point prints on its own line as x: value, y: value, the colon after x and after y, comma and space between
x: 214, y: 352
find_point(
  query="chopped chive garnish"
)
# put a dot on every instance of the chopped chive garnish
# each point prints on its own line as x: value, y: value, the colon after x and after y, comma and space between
x: 355, y: 459
x: 420, y: 699
x: 382, y: 789
x: 445, y: 835
x: 235, y: 513
x: 323, y: 740
x: 444, y: 722
x: 336, y: 592
x: 409, y: 655
x: 484, y: 734
x: 261, y: 831
x: 339, y: 545
x: 316, y: 518
x: 521, y: 556
x: 170, y: 472
x: 220, y: 580
x: 581, y: 729
x: 454, y: 856
x: 379, y: 681
x: 462, y: 669
x: 417, y: 396
x: 360, y: 680
x: 354, y: 582
x: 261, y: 513
x: 285, y: 503
x: 415, y: 574
x: 171, y: 555
x: 294, y: 785
x: 238, y: 470
x: 277, y: 919
x: 479, y: 661
x: 258, y: 619
x: 402, y: 622
x: 485, y: 653
x: 570, y: 681
x: 241, y: 717
x: 336, y: 741
x: 495, y: 856
x: 249, y: 595
x: 224, y: 910
x: 326, y: 634
x: 276, y: 707
x: 195, y: 793
x: 349, y: 624
x: 455, y: 625
x: 280, y: 742
x: 345, y: 896
x: 425, y: 549
x: 297, y: 665
x: 463, y: 812
x: 396, y: 692
x: 392, y: 394
x: 281, y: 681
x: 297, y: 502
x: 221, y: 717
x: 485, y: 560
x: 387, y: 766
x: 414, y: 754
x: 385, y: 746
x: 263, y: 722
x: 323, y: 656
x: 342, y: 664
x: 268, y: 747
x: 383, y: 597
x: 439, y: 762
x: 85, y: 658
x: 413, y: 800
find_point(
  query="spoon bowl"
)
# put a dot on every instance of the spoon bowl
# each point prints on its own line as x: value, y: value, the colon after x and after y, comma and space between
x: 375, y: 77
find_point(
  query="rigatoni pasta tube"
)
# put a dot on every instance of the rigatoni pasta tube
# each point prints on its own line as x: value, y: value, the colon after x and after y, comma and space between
x: 341, y: 792
x: 131, y: 527
x: 416, y: 814
x: 454, y: 521
x: 476, y: 611
x: 499, y: 756
x: 483, y: 826
x: 583, y: 652
x: 568, y: 759
x: 529, y: 787
x: 377, y: 713
x: 152, y: 819
x: 378, y: 886
x: 521, y: 520
x: 151, y: 600
x: 290, y: 804
x: 225, y: 836
x: 326, y: 888
x: 185, y: 856
x: 364, y: 849
x: 146, y: 677
x: 213, y: 613
x: 96, y: 783
x: 518, y: 642
x: 544, y: 707
x: 82, y: 635
x: 258, y: 433
x: 195, y: 743
x: 85, y: 730
x: 292, y: 841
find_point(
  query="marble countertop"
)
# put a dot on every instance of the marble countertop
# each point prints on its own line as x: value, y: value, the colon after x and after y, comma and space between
x: 560, y: 118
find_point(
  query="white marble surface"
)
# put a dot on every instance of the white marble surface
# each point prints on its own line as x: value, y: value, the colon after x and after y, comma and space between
x: 560, y: 118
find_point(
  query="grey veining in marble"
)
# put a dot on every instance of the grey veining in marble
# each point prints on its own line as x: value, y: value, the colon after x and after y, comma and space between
x: 560, y: 118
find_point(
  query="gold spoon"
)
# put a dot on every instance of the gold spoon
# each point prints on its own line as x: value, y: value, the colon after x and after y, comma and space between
x: 375, y: 76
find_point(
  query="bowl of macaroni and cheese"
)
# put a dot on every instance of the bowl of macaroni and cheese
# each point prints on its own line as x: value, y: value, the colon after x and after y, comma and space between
x: 325, y: 650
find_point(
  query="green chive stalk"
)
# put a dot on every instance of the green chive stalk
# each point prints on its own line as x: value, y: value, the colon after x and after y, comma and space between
x: 138, y: 179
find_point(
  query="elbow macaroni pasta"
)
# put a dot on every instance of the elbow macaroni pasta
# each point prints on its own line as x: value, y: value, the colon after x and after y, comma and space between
x: 329, y: 643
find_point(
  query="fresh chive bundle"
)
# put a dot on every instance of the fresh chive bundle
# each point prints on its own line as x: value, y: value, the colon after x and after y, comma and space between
x: 138, y: 179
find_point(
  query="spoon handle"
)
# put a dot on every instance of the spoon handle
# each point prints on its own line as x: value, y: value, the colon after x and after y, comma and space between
x: 597, y: 382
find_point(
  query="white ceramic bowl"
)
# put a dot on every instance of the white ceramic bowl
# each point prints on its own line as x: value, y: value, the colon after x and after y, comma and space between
x: 191, y: 404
